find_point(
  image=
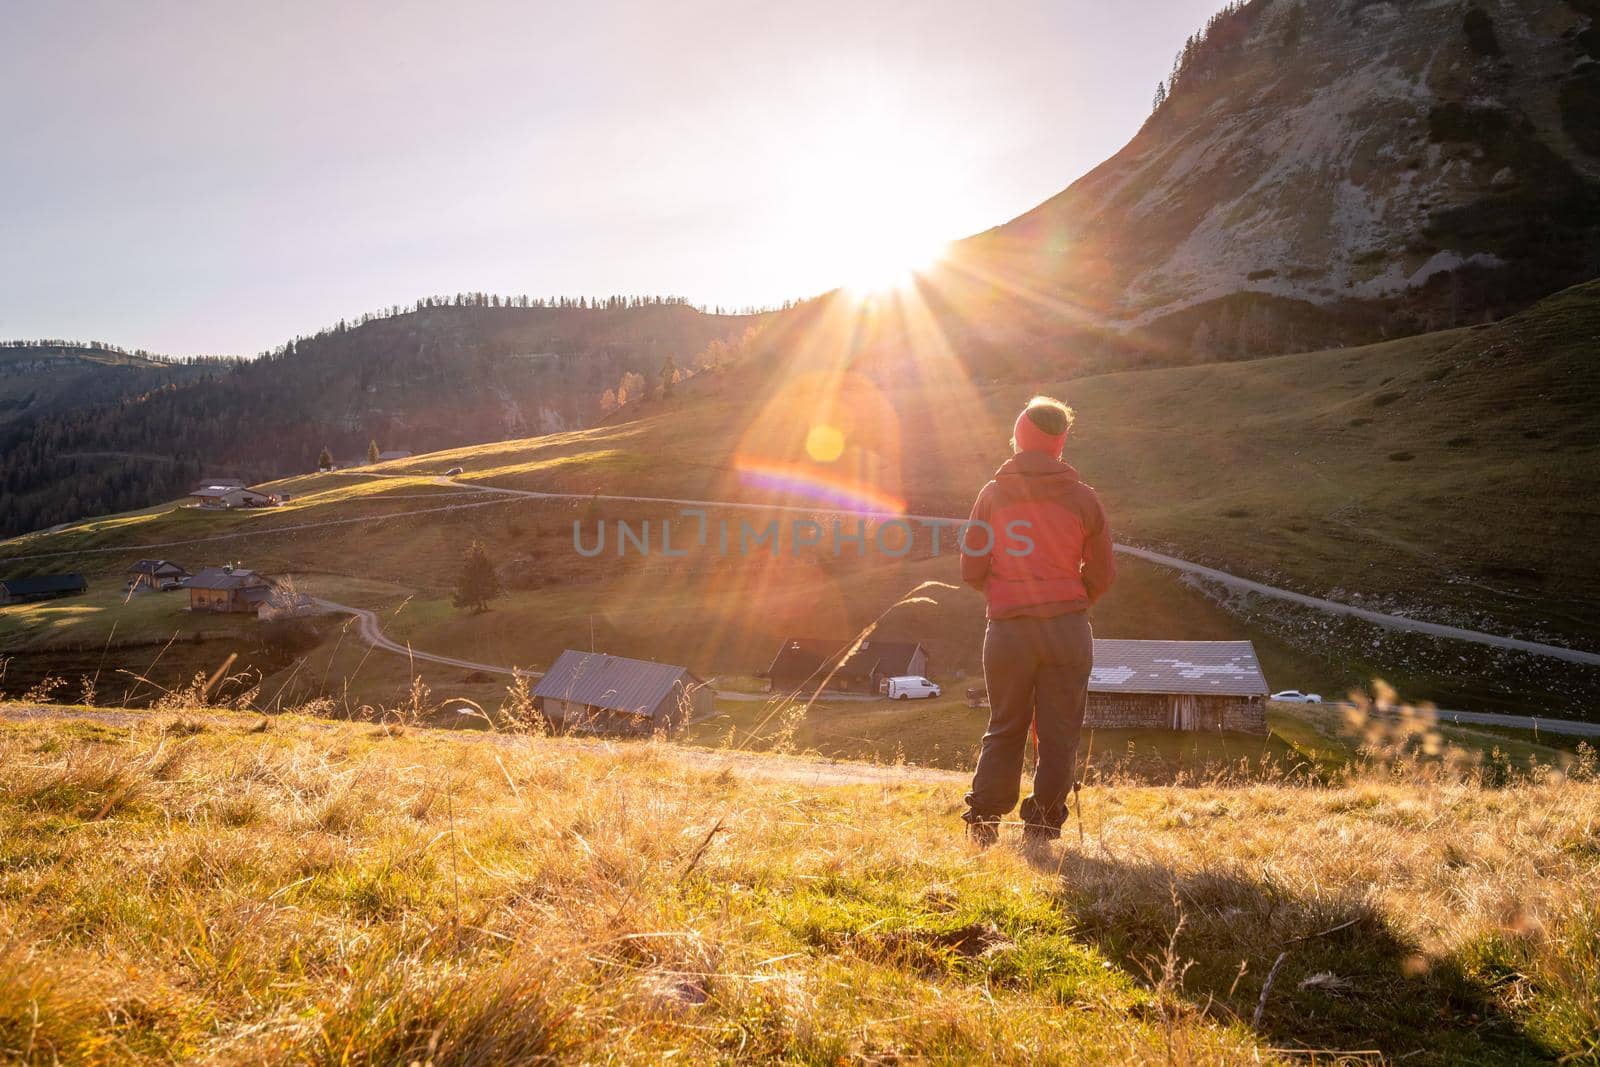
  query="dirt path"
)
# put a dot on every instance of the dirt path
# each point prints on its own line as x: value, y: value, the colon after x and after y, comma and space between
x: 371, y: 632
x: 801, y: 770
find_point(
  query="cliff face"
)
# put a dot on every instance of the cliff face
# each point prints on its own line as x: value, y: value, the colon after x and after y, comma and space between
x: 1327, y: 170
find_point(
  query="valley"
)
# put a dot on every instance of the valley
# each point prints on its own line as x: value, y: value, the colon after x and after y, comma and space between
x: 1275, y: 470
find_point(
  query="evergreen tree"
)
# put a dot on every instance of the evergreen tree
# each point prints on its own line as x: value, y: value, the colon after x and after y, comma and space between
x: 372, y: 451
x: 325, y: 459
x: 477, y: 584
x: 669, y: 375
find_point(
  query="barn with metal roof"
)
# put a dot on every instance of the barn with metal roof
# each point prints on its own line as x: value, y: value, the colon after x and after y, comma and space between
x: 1178, y: 685
x: 599, y: 693
x: 41, y: 587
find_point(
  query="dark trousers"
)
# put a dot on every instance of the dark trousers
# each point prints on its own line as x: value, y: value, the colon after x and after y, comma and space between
x: 1037, y: 671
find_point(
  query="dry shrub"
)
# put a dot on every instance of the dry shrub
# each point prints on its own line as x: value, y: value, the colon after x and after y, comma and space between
x: 518, y: 713
x: 44, y: 690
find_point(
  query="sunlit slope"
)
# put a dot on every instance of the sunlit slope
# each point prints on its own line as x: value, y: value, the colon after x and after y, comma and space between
x: 396, y: 550
x: 1448, y: 474
x: 201, y: 886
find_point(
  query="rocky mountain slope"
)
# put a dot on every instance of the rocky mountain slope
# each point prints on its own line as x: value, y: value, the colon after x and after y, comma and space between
x: 1327, y: 172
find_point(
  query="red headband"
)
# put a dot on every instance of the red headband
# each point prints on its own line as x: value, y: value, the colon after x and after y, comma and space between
x: 1030, y: 438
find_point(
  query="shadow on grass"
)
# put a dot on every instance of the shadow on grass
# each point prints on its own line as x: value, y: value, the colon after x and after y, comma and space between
x: 1349, y: 981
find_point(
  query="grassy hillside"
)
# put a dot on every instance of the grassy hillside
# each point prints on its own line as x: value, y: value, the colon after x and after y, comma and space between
x: 1305, y: 742
x: 196, y: 886
x: 414, y: 380
x: 1283, y: 469
x: 1444, y: 473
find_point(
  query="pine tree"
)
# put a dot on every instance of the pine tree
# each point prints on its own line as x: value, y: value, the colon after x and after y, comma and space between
x: 1160, y: 97
x: 325, y: 459
x: 477, y: 584
x: 669, y: 375
x: 372, y: 451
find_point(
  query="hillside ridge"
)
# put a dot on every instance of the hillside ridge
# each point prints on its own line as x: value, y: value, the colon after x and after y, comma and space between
x: 1439, y: 159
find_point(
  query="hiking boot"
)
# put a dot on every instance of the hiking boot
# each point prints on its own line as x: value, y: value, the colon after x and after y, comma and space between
x: 983, y: 832
x: 1035, y: 834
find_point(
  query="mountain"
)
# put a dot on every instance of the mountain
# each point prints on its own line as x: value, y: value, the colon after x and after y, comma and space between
x: 41, y: 377
x: 1322, y: 173
x: 1317, y: 174
x: 418, y: 380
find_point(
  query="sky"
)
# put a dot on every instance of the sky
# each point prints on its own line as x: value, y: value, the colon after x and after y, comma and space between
x: 215, y: 179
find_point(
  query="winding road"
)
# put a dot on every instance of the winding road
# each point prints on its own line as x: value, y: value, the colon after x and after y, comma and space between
x: 1211, y: 574
x: 1230, y: 581
x: 370, y: 632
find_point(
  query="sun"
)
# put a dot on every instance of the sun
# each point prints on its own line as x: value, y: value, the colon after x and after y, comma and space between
x: 883, y: 263
x: 868, y: 200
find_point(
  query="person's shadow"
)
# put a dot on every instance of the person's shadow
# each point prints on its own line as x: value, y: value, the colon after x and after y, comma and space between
x: 1348, y: 981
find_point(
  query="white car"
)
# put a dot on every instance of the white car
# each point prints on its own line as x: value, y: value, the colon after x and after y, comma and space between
x: 1294, y: 696
x: 911, y: 687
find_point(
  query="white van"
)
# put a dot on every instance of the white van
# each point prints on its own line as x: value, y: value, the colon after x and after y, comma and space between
x: 910, y: 687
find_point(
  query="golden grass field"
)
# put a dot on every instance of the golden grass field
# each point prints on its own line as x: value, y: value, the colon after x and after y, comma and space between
x: 200, y: 886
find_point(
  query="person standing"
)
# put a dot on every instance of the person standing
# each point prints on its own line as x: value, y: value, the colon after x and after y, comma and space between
x: 1038, y: 547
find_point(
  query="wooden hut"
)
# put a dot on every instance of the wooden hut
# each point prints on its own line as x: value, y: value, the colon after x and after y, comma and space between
x: 592, y: 692
x: 1177, y: 685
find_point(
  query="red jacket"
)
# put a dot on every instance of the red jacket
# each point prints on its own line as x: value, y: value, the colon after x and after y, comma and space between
x: 1050, y: 549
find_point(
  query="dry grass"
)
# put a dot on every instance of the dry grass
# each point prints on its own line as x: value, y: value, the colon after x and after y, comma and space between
x: 194, y: 887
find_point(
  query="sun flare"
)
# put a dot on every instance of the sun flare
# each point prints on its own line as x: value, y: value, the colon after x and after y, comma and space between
x: 887, y: 262
x: 871, y: 198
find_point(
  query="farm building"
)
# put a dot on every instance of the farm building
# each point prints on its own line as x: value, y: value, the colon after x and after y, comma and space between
x: 228, y: 589
x: 596, y: 693
x: 229, y: 496
x: 155, y: 574
x: 1177, y: 685
x: 804, y: 661
x: 393, y: 453
x: 41, y: 587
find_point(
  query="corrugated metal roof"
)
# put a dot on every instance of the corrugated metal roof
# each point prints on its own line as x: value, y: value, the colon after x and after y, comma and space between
x: 634, y: 686
x: 44, y: 583
x: 222, y: 578
x: 1223, y: 668
x: 156, y: 566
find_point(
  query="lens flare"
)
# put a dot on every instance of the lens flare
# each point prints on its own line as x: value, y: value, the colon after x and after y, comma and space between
x: 824, y: 443
x: 801, y: 481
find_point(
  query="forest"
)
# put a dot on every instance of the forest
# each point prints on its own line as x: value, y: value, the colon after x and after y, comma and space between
x: 441, y: 373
